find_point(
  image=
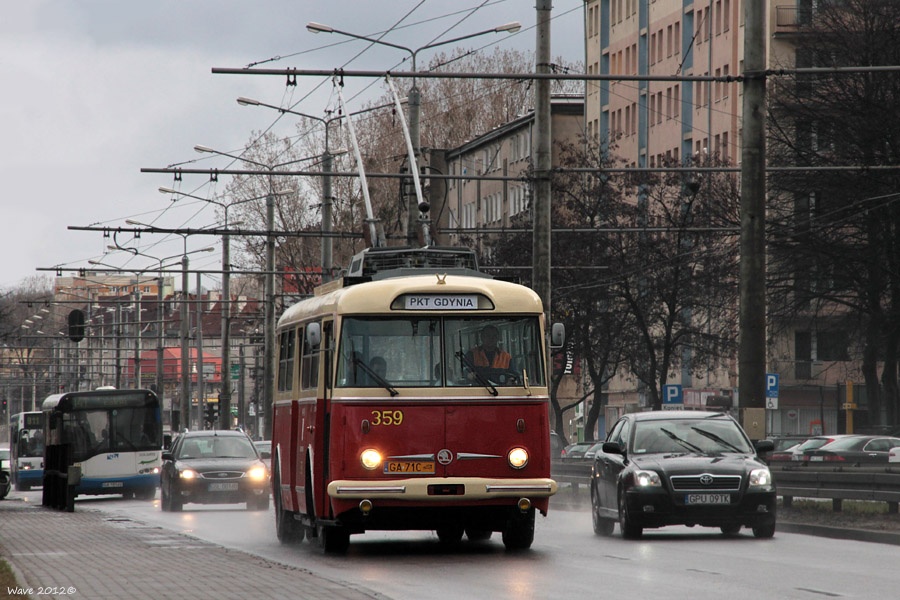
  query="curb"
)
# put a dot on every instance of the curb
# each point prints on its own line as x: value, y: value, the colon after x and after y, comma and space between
x: 840, y: 533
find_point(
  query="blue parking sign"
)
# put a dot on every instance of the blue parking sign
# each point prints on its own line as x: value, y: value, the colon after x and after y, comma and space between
x: 672, y: 394
x: 771, y: 385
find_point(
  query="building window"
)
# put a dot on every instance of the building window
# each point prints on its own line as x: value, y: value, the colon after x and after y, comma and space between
x: 832, y: 345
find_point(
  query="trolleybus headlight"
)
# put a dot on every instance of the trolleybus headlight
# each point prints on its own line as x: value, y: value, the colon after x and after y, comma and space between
x: 370, y: 459
x: 257, y: 473
x: 518, y: 458
x: 188, y: 474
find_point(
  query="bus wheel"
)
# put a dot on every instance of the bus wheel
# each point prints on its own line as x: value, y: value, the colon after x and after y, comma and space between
x: 334, y: 539
x: 478, y: 535
x: 519, y: 531
x: 449, y: 535
x: 287, y: 530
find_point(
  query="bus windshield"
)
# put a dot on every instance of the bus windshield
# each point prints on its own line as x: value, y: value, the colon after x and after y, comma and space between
x: 434, y: 351
x: 121, y: 429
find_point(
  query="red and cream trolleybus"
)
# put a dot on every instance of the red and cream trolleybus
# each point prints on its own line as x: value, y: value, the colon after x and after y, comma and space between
x: 412, y: 395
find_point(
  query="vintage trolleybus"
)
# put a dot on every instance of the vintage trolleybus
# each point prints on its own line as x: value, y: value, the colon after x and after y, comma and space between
x: 412, y: 399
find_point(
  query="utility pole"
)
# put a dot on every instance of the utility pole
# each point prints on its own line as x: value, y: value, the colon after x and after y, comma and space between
x: 542, y: 160
x: 752, y: 318
x: 160, y: 325
x: 269, y: 349
x: 185, y: 410
x: 198, y: 364
x: 225, y: 377
x: 327, y: 242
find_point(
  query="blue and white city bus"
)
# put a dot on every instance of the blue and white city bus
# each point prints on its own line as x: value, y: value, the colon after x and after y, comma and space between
x: 113, y: 437
x: 26, y: 450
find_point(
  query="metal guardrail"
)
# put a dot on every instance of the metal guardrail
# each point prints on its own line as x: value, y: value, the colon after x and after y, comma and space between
x: 875, y: 483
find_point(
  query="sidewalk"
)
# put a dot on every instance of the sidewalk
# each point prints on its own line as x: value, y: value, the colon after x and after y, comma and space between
x: 47, y: 548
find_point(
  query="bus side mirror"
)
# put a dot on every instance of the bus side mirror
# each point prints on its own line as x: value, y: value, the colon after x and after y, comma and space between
x: 313, y: 335
x: 557, y: 335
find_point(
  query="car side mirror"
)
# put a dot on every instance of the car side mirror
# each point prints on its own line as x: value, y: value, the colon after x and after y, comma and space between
x: 764, y: 446
x: 265, y: 454
x: 167, y: 456
x: 613, y: 448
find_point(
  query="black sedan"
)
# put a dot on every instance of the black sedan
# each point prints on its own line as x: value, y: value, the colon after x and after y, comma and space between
x: 681, y: 468
x: 854, y: 450
x: 214, y: 467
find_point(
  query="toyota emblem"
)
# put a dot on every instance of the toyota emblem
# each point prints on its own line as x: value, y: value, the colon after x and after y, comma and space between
x: 706, y: 479
x: 445, y: 457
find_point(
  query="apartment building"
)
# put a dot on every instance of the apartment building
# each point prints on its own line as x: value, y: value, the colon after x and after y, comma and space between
x: 652, y: 122
x: 505, y: 152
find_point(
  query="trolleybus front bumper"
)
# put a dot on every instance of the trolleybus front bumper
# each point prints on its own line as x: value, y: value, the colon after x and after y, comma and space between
x: 442, y: 489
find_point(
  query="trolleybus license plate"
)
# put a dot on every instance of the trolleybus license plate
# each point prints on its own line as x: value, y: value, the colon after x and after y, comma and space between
x: 708, y: 499
x: 413, y: 467
x: 223, y: 487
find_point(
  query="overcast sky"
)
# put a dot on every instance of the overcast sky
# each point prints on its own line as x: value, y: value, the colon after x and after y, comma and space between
x: 95, y: 90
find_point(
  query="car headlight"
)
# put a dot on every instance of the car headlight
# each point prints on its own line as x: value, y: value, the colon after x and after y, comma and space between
x: 647, y: 479
x: 760, y: 478
x: 517, y: 457
x: 370, y: 459
x: 257, y: 473
x: 188, y: 474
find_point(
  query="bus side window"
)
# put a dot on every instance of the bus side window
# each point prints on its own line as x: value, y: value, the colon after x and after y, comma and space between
x: 327, y: 345
x: 309, y: 367
x: 286, y: 361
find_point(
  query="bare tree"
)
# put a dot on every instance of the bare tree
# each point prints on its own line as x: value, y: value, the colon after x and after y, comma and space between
x: 27, y: 352
x: 835, y: 266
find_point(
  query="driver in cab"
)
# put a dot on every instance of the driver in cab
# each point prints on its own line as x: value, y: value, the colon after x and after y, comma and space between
x: 489, y: 354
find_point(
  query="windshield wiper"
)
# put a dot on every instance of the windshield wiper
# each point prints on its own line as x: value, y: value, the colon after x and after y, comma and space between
x: 467, y: 364
x: 684, y: 443
x: 716, y: 438
x: 378, y: 378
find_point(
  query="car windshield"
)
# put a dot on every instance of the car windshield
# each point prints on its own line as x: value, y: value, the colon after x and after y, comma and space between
x: 811, y: 444
x: 216, y: 447
x: 702, y: 436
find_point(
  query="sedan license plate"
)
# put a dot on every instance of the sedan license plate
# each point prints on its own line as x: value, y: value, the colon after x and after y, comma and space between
x: 223, y: 487
x: 412, y: 467
x: 707, y: 499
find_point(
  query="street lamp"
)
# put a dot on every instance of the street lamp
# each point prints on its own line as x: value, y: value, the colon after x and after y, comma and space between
x: 225, y: 399
x: 327, y: 167
x: 269, y: 366
x: 185, y: 400
x: 413, y: 97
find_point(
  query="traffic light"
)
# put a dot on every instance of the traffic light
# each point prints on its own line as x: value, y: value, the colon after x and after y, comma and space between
x: 212, y: 413
x: 75, y: 323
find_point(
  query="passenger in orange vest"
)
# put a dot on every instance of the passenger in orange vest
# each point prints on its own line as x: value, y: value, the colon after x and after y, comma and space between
x: 488, y: 354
